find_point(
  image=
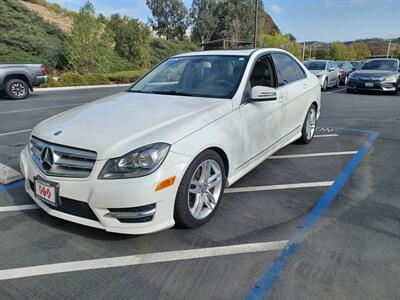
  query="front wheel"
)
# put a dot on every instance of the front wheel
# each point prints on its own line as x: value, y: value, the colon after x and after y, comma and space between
x: 309, y: 126
x: 200, y: 191
x: 325, y: 84
x: 16, y: 89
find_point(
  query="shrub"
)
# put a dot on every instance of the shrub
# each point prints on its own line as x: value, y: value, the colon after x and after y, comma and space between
x: 51, y: 83
x: 95, y: 79
x: 125, y: 76
x: 71, y: 79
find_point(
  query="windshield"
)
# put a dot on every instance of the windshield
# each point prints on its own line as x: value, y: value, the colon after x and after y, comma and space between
x: 384, y: 65
x: 204, y: 76
x: 315, y: 65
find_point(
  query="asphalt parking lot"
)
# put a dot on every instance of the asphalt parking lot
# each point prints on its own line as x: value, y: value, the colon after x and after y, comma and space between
x: 314, y: 221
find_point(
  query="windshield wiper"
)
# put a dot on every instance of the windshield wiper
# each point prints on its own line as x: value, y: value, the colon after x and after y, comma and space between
x: 171, y: 92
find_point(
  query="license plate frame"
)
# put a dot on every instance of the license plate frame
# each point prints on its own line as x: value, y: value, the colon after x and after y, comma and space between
x: 369, y: 84
x: 53, y: 187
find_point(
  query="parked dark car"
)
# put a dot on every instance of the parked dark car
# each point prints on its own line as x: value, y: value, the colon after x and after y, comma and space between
x: 345, y: 68
x: 16, y: 80
x: 376, y: 74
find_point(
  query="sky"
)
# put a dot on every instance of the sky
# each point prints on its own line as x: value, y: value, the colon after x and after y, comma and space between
x: 307, y: 20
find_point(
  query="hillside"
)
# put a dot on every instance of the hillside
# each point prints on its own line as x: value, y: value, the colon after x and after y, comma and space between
x: 376, y: 45
x: 59, y: 19
x: 26, y: 37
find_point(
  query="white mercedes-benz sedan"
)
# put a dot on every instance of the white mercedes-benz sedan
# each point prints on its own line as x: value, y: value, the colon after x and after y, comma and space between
x: 162, y: 152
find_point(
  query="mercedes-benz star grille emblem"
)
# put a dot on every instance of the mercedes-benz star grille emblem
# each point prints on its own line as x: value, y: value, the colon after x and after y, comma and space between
x: 47, y: 158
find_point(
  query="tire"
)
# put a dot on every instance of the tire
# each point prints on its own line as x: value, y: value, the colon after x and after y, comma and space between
x: 306, y: 136
x: 325, y: 84
x: 16, y: 89
x: 185, y: 213
x: 349, y: 91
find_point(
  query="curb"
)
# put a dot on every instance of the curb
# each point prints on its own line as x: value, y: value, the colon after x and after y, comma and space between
x: 8, y: 175
x: 81, y: 87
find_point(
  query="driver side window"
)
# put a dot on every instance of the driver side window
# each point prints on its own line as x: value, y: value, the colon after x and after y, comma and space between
x: 262, y: 74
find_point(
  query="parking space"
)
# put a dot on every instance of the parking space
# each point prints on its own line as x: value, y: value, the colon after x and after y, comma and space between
x: 43, y: 257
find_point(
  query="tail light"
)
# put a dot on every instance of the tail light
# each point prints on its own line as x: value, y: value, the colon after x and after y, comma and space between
x: 43, y: 69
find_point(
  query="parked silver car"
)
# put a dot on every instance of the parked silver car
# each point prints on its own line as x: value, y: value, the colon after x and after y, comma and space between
x: 327, y: 72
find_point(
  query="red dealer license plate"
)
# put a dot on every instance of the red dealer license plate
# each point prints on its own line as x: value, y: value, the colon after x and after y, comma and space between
x: 46, y: 191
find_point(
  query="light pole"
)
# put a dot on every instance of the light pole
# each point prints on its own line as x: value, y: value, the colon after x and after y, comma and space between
x: 304, y: 49
x: 255, y: 24
x: 388, y: 50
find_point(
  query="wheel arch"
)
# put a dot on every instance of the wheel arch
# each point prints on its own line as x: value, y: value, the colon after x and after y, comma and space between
x: 223, y: 156
x: 20, y: 76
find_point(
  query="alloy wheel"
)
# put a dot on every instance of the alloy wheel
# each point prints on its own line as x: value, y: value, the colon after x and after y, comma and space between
x: 18, y: 89
x: 205, y: 189
x: 311, y: 123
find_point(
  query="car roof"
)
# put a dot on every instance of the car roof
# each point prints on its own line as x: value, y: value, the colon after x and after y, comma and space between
x: 240, y: 52
x: 318, y: 60
x: 382, y: 58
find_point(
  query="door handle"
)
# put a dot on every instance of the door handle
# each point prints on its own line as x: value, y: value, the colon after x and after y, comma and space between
x: 305, y: 85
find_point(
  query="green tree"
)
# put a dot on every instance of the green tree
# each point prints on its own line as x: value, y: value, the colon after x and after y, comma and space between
x: 228, y: 19
x: 361, y: 50
x: 322, y: 53
x: 339, y: 51
x: 397, y: 53
x: 284, y: 42
x: 89, y: 46
x: 170, y: 18
x: 131, y: 39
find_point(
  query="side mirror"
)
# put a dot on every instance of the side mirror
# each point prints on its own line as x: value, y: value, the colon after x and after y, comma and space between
x: 263, y: 93
x: 332, y: 69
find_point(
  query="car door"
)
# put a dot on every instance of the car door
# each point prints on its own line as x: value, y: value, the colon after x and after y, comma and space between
x: 293, y: 80
x: 261, y: 121
x: 330, y: 73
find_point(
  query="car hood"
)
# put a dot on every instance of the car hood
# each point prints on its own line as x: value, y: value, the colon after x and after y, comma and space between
x: 317, y: 72
x: 374, y: 73
x: 118, y: 124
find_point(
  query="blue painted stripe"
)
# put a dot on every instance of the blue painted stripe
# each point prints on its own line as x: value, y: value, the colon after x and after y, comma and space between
x: 274, y: 272
x: 11, y: 186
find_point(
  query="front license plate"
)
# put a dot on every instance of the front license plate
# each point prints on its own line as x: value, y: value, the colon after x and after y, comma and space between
x: 46, y: 191
x: 369, y: 84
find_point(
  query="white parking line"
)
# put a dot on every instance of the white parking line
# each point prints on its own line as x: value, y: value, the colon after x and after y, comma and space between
x: 123, y: 261
x: 335, y: 91
x: 18, y: 207
x: 278, y: 187
x: 313, y: 154
x: 15, y: 132
x: 325, y: 135
x: 39, y: 108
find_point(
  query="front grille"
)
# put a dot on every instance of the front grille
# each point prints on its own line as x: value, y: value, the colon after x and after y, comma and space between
x: 62, y: 161
x: 72, y: 207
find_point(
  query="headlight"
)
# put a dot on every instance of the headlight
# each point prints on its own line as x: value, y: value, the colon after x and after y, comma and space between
x: 140, y: 162
x: 390, y: 78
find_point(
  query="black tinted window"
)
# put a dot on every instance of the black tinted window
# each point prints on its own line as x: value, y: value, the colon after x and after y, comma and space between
x: 284, y: 68
x: 299, y: 70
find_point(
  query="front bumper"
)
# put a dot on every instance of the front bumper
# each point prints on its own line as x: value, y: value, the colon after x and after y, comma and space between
x: 385, y: 86
x: 84, y: 196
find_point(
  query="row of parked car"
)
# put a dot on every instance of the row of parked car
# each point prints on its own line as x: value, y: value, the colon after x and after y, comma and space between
x: 379, y: 74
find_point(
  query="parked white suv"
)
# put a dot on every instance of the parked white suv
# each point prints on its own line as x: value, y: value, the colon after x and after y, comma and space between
x: 326, y: 71
x: 163, y: 151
